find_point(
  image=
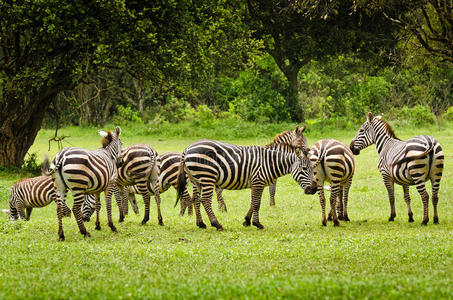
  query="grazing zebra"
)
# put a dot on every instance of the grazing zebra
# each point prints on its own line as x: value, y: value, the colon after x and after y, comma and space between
x: 329, y: 160
x: 406, y: 163
x: 141, y: 164
x: 34, y: 192
x: 210, y: 163
x: 87, y: 172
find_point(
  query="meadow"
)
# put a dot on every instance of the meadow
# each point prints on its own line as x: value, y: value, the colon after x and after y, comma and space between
x: 293, y: 257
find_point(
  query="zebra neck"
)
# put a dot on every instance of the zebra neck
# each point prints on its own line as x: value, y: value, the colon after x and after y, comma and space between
x: 382, y: 139
x: 282, y: 147
x: 111, y: 151
x: 284, y: 165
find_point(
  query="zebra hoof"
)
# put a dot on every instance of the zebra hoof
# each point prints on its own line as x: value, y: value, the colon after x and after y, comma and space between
x: 425, y: 222
x: 201, y: 225
x: 329, y: 218
x: 144, y: 222
x: 219, y: 227
x: 411, y: 220
x: 113, y: 228
x: 336, y: 223
x: 98, y: 226
x: 121, y: 220
x: 436, y: 220
x: 246, y: 222
x: 61, y: 237
x: 161, y: 223
x: 346, y: 218
x: 258, y: 225
x: 324, y: 223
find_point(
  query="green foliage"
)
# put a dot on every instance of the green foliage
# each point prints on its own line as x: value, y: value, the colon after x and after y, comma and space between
x: 370, y: 94
x: 202, y: 116
x: 258, y: 94
x: 448, y: 115
x: 419, y: 115
x: 31, y: 165
x: 126, y: 115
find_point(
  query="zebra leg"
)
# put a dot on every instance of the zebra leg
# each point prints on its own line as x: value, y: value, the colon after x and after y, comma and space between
x: 257, y: 192
x: 345, y: 200
x: 207, y: 190
x: 29, y: 210
x: 21, y: 210
x: 186, y: 202
x: 391, y: 192
x: 196, y: 202
x: 98, y: 209
x: 108, y: 205
x: 272, y: 190
x: 13, y: 215
x: 420, y: 184
x: 156, y: 190
x: 407, y: 198
x: 133, y: 202
x: 339, y: 204
x: 222, y: 205
x: 435, y: 183
x: 334, y: 193
x: 118, y: 191
x: 79, y: 197
x: 322, y: 201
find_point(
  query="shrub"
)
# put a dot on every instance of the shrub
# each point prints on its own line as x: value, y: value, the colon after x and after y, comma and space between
x: 417, y: 115
x: 202, y: 116
x: 30, y: 164
x: 448, y: 115
x: 126, y: 115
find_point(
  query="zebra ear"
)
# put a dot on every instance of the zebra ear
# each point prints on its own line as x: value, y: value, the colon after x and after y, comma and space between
x: 369, y: 117
x: 103, y: 133
x: 302, y: 129
x: 118, y: 131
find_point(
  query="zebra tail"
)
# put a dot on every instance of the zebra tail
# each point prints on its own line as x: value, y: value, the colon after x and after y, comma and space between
x: 45, y: 166
x: 182, y: 181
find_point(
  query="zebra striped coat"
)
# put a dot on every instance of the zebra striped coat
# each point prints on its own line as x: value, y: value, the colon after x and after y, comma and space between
x: 329, y: 160
x: 141, y: 164
x: 34, y: 192
x: 87, y: 172
x: 406, y: 163
x: 282, y: 142
x: 209, y: 163
x: 169, y: 167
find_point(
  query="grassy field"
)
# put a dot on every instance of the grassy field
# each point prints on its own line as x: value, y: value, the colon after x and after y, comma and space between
x: 293, y: 257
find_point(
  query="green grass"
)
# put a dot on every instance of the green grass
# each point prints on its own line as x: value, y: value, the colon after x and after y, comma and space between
x: 293, y: 257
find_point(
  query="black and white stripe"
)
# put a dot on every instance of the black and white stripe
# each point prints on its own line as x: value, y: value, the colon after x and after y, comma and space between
x: 210, y: 163
x: 87, y: 172
x: 406, y: 163
x: 39, y: 191
x: 141, y: 167
x: 332, y: 161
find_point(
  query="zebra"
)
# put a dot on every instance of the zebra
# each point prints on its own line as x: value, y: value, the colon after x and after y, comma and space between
x: 406, y: 163
x: 169, y: 167
x: 87, y: 172
x: 333, y: 161
x: 283, y: 142
x: 29, y: 193
x: 208, y: 163
x: 141, y: 164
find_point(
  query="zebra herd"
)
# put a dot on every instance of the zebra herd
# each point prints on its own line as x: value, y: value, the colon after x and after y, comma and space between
x: 213, y: 166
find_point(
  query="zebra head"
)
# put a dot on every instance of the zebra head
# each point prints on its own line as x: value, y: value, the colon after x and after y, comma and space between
x: 292, y: 138
x: 112, y: 143
x: 302, y: 172
x: 364, y: 137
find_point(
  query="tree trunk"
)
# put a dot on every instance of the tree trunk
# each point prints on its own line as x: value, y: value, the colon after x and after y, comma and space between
x: 297, y: 113
x: 19, y: 124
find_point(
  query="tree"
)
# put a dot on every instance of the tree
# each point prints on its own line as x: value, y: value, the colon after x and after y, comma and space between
x: 47, y: 47
x: 429, y: 21
x: 295, y: 32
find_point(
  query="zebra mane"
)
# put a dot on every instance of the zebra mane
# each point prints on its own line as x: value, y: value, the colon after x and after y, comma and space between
x: 107, y: 139
x: 280, y: 138
x: 388, y: 129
